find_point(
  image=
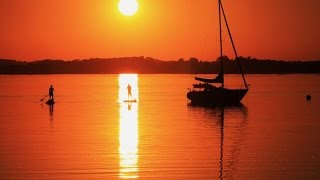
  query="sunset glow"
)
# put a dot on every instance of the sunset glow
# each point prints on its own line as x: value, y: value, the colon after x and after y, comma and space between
x: 166, y: 30
x: 128, y: 7
x: 128, y: 128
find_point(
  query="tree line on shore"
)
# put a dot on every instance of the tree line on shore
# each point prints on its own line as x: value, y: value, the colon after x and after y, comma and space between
x: 148, y: 65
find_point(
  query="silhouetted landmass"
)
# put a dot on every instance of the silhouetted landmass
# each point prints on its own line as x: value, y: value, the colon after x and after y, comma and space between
x: 149, y: 65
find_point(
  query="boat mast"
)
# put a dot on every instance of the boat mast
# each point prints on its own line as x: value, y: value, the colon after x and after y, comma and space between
x: 231, y: 39
x: 220, y: 31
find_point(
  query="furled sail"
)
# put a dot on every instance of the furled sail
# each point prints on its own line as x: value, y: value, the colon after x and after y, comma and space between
x: 218, y: 79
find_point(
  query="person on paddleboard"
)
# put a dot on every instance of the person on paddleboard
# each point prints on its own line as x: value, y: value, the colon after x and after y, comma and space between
x: 51, y: 89
x: 129, y: 91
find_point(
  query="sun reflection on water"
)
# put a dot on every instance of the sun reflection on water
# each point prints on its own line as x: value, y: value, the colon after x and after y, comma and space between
x: 128, y: 127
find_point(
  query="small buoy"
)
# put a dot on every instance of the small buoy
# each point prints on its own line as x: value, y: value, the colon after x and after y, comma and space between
x: 308, y: 97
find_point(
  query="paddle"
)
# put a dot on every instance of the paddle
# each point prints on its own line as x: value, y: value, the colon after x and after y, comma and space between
x: 43, y: 98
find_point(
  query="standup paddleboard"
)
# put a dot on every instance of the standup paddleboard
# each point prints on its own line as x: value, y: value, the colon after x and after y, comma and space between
x: 130, y: 100
x: 50, y: 102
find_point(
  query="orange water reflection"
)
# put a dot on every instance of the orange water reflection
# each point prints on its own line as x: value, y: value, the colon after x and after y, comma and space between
x: 128, y: 127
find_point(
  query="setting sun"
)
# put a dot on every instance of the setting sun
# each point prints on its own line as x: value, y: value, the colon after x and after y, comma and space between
x: 128, y: 7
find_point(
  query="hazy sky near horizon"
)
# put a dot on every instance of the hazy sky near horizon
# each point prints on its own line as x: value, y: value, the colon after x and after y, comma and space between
x: 163, y: 29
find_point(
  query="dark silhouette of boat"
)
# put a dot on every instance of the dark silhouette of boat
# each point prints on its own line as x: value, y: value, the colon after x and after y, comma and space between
x: 50, y: 102
x: 206, y: 92
x: 130, y: 101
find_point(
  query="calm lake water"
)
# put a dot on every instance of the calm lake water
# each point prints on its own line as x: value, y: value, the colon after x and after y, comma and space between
x: 90, y: 133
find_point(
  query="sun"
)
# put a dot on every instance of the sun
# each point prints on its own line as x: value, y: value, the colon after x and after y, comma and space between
x: 128, y: 7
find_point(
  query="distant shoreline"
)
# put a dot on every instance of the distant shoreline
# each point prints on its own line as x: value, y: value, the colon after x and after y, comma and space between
x: 147, y: 65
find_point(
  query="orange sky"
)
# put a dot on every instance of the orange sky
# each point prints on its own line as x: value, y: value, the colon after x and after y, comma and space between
x: 164, y: 29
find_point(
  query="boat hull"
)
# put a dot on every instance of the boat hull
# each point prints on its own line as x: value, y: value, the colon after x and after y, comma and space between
x: 50, y: 102
x: 217, y: 96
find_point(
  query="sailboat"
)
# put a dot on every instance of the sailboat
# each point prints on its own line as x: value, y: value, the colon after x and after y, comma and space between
x: 205, y: 92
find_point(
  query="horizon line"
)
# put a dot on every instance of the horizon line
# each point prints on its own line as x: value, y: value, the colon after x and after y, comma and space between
x: 146, y: 57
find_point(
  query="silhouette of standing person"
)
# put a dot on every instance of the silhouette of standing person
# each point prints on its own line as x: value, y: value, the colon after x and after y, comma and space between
x: 51, y: 89
x: 129, y: 91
